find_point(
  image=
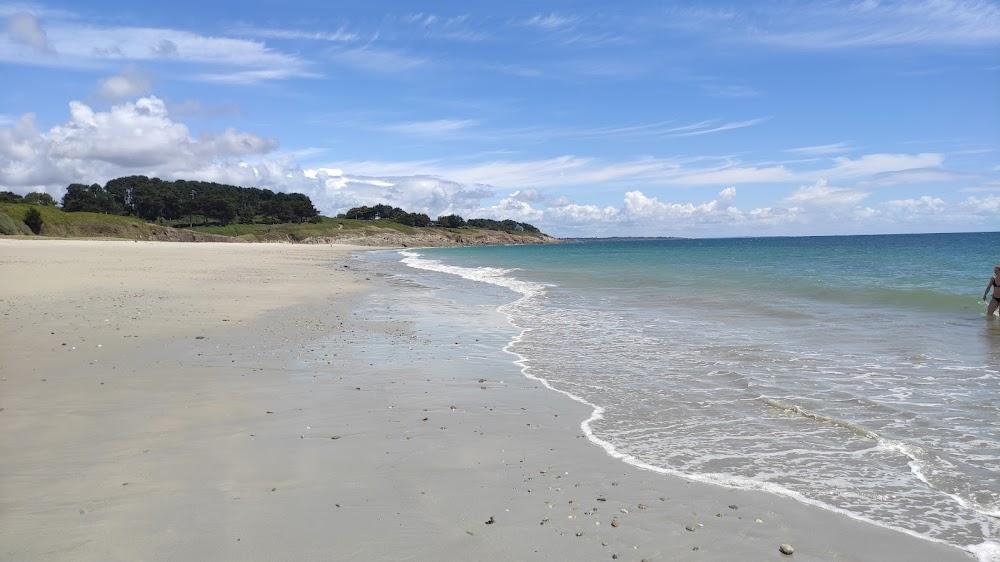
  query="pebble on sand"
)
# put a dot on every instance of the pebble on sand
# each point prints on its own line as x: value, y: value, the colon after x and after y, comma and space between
x: 786, y: 549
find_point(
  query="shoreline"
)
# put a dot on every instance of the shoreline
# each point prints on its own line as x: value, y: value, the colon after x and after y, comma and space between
x: 240, y: 401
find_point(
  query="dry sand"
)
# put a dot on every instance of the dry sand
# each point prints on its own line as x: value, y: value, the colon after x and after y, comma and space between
x: 168, y: 401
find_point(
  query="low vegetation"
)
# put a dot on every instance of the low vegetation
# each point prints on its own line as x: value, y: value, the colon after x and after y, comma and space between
x: 141, y: 208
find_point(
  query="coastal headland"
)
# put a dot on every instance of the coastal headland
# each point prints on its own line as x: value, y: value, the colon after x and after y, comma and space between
x: 215, y: 401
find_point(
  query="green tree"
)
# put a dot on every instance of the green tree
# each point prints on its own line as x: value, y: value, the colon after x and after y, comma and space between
x: 451, y: 221
x: 93, y: 199
x: 36, y: 198
x: 33, y: 219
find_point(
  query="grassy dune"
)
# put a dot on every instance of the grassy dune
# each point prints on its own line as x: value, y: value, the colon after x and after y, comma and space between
x: 59, y: 224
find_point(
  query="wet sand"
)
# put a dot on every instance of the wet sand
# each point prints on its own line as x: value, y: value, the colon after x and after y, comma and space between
x: 234, y: 401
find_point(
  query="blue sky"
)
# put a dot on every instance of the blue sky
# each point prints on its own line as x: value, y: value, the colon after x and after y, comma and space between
x: 585, y: 119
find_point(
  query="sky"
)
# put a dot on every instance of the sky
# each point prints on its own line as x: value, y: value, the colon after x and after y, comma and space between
x: 626, y: 118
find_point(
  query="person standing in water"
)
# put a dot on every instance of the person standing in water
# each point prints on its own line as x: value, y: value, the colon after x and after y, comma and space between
x: 995, y: 285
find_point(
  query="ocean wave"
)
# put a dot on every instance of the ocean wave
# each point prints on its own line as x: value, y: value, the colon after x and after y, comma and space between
x: 492, y: 275
x: 919, y: 461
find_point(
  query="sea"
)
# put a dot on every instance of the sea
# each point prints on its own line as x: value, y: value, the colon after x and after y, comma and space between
x: 858, y: 374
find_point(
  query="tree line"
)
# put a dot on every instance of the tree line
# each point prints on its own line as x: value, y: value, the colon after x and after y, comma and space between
x: 156, y: 200
x: 395, y: 214
x: 33, y: 198
x: 153, y: 199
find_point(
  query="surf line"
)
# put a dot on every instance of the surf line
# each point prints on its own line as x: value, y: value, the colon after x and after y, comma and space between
x: 985, y: 551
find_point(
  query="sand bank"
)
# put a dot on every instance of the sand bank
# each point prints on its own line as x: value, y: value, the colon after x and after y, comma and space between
x: 215, y: 402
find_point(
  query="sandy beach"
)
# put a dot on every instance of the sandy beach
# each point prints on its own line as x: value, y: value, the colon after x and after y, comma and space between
x: 204, y: 401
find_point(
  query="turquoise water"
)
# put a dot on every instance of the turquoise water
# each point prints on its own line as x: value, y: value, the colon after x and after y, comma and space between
x: 855, y: 373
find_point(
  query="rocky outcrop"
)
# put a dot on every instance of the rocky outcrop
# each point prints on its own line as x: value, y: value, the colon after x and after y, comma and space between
x: 167, y: 234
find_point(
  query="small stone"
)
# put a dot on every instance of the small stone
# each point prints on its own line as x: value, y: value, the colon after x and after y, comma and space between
x: 602, y: 499
x: 734, y: 506
x: 614, y: 521
x: 691, y: 528
x: 696, y: 548
x: 490, y: 521
x: 624, y: 510
x: 786, y: 549
x: 614, y: 557
x: 642, y: 506
x: 579, y: 533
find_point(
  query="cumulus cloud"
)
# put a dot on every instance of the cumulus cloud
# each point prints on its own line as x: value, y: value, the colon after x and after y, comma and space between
x: 130, y: 138
x: 143, y: 137
x: 25, y: 29
x: 528, y: 194
x: 131, y: 83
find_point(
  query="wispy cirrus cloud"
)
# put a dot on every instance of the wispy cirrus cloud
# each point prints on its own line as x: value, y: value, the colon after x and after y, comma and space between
x: 435, y: 128
x: 82, y: 45
x: 454, y: 28
x: 708, y: 128
x: 552, y: 21
x: 341, y: 35
x: 872, y: 23
x: 821, y: 150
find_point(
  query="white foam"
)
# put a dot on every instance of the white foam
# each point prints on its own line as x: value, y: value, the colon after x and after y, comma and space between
x: 988, y: 551
x: 492, y: 275
x: 985, y: 552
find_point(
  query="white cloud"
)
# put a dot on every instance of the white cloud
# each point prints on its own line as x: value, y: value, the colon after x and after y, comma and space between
x: 86, y: 46
x: 989, y: 205
x: 731, y: 175
x: 720, y: 128
x: 825, y: 196
x: 866, y: 24
x: 130, y: 138
x: 142, y: 137
x: 25, y: 28
x: 909, y: 208
x: 528, y: 194
x: 552, y: 21
x: 434, y: 128
x: 821, y: 150
x: 341, y: 35
x: 130, y: 83
x: 880, y: 163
